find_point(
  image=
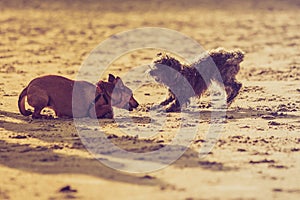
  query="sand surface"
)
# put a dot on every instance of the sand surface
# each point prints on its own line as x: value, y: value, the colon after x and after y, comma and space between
x: 257, y: 154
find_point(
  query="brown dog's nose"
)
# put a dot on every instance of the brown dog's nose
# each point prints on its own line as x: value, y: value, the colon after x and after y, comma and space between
x: 133, y: 103
x: 136, y: 105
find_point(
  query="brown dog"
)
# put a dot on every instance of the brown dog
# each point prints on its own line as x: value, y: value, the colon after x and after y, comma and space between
x: 56, y: 92
x: 170, y: 72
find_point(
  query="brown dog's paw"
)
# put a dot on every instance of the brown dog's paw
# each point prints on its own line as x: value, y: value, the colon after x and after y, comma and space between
x: 48, y: 117
x: 36, y: 116
x: 42, y: 117
x: 108, y: 116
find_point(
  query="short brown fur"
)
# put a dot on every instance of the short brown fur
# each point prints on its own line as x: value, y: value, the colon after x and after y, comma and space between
x: 56, y: 92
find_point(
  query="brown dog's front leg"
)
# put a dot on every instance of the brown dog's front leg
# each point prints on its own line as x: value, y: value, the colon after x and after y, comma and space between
x: 104, y: 111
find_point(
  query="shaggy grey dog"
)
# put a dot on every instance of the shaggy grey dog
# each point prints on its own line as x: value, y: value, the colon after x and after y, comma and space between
x: 186, y: 81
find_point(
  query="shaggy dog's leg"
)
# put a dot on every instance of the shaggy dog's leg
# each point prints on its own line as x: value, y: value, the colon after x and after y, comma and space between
x: 174, y: 106
x: 169, y: 99
x: 171, y: 103
x: 232, y: 91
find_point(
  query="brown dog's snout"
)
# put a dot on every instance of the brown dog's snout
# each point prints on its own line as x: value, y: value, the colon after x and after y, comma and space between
x: 133, y: 104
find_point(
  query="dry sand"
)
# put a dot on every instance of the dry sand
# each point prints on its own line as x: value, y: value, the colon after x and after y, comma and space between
x: 257, y: 156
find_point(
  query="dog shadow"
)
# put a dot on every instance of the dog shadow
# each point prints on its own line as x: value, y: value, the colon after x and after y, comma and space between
x: 59, y: 134
x: 44, y: 157
x: 236, y: 114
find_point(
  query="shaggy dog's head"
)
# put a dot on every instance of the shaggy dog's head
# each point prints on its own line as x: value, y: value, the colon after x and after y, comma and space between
x: 165, y: 69
x: 227, y: 61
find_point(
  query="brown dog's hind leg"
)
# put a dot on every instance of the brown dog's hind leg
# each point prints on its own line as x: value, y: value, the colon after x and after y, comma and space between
x: 37, y: 113
x: 38, y: 100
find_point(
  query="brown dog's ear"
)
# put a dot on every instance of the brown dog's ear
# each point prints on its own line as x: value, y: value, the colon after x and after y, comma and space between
x: 119, y: 82
x: 111, y: 78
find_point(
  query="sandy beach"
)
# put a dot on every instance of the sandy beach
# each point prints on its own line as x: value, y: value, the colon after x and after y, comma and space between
x: 255, y: 156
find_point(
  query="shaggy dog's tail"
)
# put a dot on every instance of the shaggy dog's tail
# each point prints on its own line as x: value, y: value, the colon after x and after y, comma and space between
x: 21, y: 103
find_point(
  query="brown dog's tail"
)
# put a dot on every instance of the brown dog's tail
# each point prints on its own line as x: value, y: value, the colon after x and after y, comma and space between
x: 21, y: 103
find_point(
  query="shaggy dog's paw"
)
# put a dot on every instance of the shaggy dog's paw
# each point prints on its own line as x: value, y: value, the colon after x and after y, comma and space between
x: 157, y: 107
x: 234, y: 91
x: 173, y: 108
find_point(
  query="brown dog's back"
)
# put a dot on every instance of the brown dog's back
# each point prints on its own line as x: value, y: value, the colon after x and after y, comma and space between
x: 56, y: 92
